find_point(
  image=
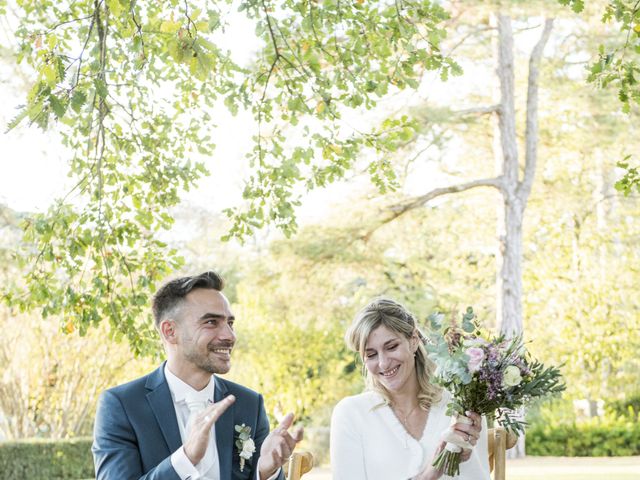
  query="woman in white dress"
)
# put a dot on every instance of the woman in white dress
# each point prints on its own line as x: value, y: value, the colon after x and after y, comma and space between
x: 393, y: 430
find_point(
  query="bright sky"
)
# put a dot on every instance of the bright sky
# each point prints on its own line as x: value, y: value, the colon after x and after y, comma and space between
x: 33, y: 164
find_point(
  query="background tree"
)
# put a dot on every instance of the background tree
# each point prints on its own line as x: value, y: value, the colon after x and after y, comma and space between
x: 50, y: 379
x: 513, y: 189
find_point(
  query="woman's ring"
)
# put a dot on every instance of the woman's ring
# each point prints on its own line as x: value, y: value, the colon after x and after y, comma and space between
x: 468, y: 437
x: 207, y: 418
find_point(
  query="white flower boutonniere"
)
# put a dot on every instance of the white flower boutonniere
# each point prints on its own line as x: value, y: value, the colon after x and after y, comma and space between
x: 244, y: 444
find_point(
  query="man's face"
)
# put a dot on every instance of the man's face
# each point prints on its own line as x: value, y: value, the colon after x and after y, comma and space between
x: 205, y: 331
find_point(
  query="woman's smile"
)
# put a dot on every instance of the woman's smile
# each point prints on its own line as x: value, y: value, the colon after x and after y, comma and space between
x: 391, y: 372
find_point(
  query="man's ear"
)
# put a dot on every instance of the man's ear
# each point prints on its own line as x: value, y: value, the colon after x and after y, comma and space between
x: 168, y: 331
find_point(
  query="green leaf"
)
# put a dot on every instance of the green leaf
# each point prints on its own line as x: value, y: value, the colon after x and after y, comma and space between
x: 170, y: 26
x: 214, y: 19
x: 78, y: 99
x: 50, y: 74
x: 231, y: 102
x: 58, y: 106
x: 115, y: 7
x: 52, y: 41
x: 15, y: 121
x: 101, y: 88
x: 576, y: 5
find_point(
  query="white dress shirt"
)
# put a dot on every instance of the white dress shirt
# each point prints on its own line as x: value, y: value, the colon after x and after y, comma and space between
x: 369, y: 443
x: 182, y: 465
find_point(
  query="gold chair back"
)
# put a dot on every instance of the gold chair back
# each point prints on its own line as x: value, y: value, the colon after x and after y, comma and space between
x: 499, y: 442
x: 299, y: 464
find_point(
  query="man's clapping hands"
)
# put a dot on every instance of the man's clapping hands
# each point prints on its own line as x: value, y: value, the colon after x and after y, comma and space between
x: 278, y: 447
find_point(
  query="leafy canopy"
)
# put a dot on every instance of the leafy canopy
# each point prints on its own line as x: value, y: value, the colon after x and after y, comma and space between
x: 133, y: 88
x: 618, y: 66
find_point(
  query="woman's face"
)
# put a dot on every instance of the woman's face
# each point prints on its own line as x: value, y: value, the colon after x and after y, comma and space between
x: 389, y: 358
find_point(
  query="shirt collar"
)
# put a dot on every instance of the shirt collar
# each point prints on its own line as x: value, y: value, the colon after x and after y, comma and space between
x: 180, y: 389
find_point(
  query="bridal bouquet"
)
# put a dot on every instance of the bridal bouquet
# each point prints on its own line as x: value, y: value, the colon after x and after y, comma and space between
x: 492, y: 376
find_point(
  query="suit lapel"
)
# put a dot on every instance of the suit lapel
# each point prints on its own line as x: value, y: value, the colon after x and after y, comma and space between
x: 159, y: 398
x: 224, y: 432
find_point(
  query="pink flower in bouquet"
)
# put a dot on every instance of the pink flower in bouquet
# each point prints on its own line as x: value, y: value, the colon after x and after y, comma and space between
x: 476, y: 357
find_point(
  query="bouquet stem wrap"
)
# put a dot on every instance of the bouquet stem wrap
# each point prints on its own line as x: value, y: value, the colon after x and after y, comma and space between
x: 448, y: 460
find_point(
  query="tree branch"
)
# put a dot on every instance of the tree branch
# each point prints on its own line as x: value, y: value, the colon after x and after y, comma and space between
x: 478, y: 110
x: 531, y: 132
x: 84, y: 47
x: 272, y: 35
x: 401, y: 209
x: 51, y: 29
x: 471, y: 33
x: 132, y: 10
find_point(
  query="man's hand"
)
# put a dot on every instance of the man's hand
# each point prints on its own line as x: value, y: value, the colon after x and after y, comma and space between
x: 198, y: 440
x: 278, y: 447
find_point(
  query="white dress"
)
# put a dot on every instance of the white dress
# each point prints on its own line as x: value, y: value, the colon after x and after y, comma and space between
x: 369, y: 443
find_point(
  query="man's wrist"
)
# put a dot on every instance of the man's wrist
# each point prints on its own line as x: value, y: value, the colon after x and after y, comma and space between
x: 265, y: 476
x: 191, y: 456
x: 265, y: 473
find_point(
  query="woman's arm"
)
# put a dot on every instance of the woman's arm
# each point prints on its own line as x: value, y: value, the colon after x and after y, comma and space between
x: 347, y: 454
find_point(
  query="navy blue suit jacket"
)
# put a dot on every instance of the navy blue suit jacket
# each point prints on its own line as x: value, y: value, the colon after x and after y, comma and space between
x: 136, y: 430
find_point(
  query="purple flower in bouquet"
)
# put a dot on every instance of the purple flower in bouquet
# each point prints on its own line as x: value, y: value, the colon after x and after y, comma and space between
x: 492, y: 376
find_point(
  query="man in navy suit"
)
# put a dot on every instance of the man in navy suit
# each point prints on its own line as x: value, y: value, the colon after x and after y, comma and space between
x: 183, y: 422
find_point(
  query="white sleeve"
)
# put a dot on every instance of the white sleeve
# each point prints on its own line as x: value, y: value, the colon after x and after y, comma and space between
x: 183, y: 466
x: 346, y: 445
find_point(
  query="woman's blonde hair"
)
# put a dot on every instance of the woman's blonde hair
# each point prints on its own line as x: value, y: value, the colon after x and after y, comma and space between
x: 394, y: 316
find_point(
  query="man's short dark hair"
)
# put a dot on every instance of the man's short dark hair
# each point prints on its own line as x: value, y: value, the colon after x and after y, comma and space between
x: 172, y: 293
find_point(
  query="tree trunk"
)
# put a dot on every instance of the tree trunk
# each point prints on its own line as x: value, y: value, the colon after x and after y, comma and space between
x: 509, y: 281
x: 510, y: 270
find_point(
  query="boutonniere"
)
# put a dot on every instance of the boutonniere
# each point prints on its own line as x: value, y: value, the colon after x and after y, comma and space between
x: 244, y: 444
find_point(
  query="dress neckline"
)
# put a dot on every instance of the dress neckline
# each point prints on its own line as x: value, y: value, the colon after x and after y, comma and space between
x: 404, y: 426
